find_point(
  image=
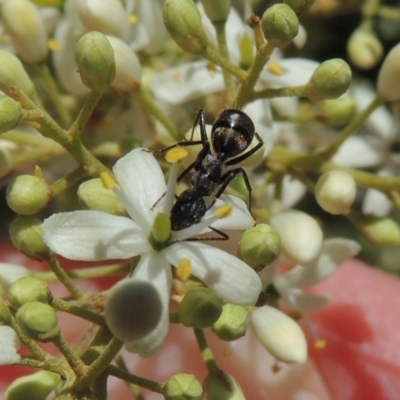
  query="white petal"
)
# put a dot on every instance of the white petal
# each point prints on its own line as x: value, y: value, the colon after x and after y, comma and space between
x: 9, y: 345
x: 334, y: 252
x: 306, y: 303
x: 93, y: 236
x: 376, y: 203
x: 186, y: 82
x: 268, y: 274
x: 142, y: 182
x: 154, y: 268
x: 233, y: 280
x: 9, y: 273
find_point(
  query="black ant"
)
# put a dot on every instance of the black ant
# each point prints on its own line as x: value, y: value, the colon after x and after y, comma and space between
x: 231, y: 134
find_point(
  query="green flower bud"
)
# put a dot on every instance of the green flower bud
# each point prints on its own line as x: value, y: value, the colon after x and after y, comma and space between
x: 260, y: 246
x: 10, y: 113
x: 36, y: 386
x: 182, y: 387
x: 95, y: 196
x: 200, y: 308
x: 26, y: 235
x: 5, y: 313
x: 364, y: 49
x: 337, y: 112
x: 379, y: 231
x: 232, y: 324
x: 95, y: 59
x: 38, y: 321
x: 27, y: 194
x: 183, y: 22
x: 329, y: 81
x: 299, y: 6
x: 28, y: 289
x: 132, y: 309
x: 12, y: 73
x: 217, y: 11
x: 336, y: 191
x: 280, y: 25
x: 388, y: 83
x: 5, y: 162
x: 221, y: 386
x: 26, y: 28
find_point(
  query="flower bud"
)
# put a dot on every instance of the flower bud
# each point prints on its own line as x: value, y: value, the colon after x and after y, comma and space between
x: 132, y: 309
x: 182, y: 387
x: 11, y: 113
x: 280, y: 25
x: 183, y: 22
x: 200, y: 308
x: 219, y: 385
x: 26, y: 28
x: 217, y: 11
x: 388, y: 83
x: 232, y: 324
x: 38, y: 321
x: 10, y: 344
x: 5, y: 313
x: 364, y: 49
x: 337, y: 112
x: 299, y: 6
x: 329, y: 81
x: 34, y: 386
x: 336, y: 191
x: 379, y: 231
x: 9, y: 273
x: 28, y: 289
x: 95, y: 59
x: 12, y: 73
x: 260, y: 246
x: 301, y: 236
x: 27, y: 236
x: 5, y: 162
x: 128, y: 69
x: 279, y: 334
x: 94, y: 196
x: 27, y: 194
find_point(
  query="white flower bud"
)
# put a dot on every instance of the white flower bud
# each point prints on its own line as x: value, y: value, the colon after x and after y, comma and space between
x: 9, y: 345
x: 336, y: 191
x: 301, y: 236
x: 388, y: 83
x: 26, y: 28
x: 364, y: 49
x: 128, y: 68
x: 279, y: 334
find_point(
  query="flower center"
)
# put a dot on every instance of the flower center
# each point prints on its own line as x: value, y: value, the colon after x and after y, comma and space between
x: 160, y: 235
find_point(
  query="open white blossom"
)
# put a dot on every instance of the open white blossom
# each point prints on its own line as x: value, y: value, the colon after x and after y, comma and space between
x: 9, y: 346
x: 93, y: 236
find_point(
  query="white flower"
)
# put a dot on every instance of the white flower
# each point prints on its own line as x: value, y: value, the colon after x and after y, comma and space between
x: 9, y: 346
x: 290, y: 285
x: 93, y: 235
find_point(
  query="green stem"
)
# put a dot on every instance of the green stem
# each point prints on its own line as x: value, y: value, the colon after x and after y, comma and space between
x: 67, y: 181
x: 51, y: 88
x: 206, y: 352
x: 135, y: 389
x: 296, y: 91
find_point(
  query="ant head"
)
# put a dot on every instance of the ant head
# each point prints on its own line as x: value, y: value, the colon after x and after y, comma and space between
x: 232, y: 132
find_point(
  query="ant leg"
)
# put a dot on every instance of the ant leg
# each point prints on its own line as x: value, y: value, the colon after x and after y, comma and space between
x: 223, y: 236
x: 239, y: 159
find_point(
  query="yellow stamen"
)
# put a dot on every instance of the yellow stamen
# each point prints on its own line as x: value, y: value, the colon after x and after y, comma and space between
x: 53, y: 45
x: 320, y: 344
x: 275, y: 68
x: 132, y: 18
x: 107, y: 180
x: 184, y: 269
x: 224, y: 211
x: 176, y: 154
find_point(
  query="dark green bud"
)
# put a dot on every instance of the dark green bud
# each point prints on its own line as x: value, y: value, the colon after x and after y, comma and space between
x: 280, y: 25
x: 27, y: 289
x: 217, y: 11
x: 27, y: 236
x: 183, y: 387
x: 200, y: 308
x: 232, y: 324
x: 10, y: 113
x: 27, y: 194
x: 38, y: 321
x: 94, y: 56
x: 329, y: 81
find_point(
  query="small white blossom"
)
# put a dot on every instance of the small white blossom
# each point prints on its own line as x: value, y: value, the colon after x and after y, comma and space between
x: 93, y: 235
x: 9, y: 346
